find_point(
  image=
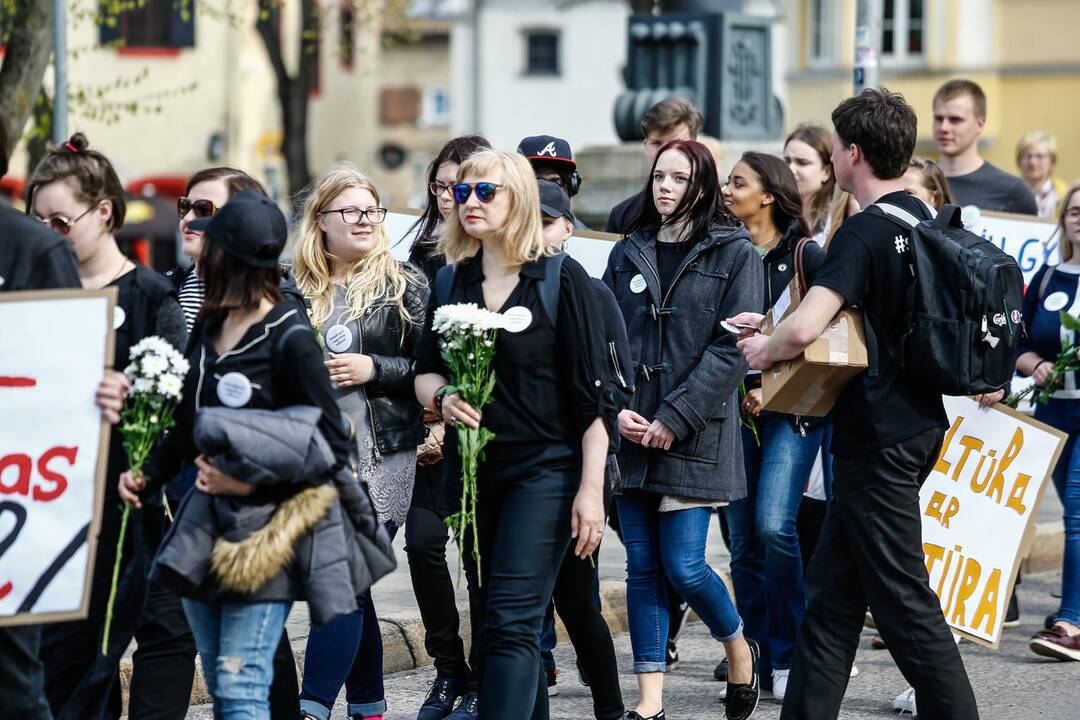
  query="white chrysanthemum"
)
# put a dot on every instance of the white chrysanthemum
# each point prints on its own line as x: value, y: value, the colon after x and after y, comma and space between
x: 153, y: 365
x: 142, y: 386
x: 464, y: 318
x: 170, y: 386
x: 179, y: 364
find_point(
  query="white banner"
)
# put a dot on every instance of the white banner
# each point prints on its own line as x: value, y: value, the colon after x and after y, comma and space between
x: 54, y: 346
x: 1031, y: 240
x: 589, y: 248
x: 978, y: 511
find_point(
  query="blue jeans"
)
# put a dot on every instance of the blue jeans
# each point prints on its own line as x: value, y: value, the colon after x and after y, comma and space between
x: 766, y: 563
x: 1065, y: 416
x: 671, y: 543
x: 347, y: 651
x: 237, y: 643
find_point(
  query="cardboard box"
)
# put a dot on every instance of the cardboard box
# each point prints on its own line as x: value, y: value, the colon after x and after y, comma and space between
x: 811, y: 383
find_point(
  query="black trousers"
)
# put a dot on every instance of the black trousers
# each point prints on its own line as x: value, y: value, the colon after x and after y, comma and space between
x: 870, y: 554
x: 589, y: 633
x: 426, y: 535
x: 22, y: 679
x: 163, y: 665
x: 523, y: 522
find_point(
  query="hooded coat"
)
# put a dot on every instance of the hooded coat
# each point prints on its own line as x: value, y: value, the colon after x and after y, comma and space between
x: 321, y: 543
x: 687, y: 367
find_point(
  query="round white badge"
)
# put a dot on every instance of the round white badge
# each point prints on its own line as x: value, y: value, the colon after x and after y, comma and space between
x: 517, y: 319
x: 1056, y: 301
x: 118, y: 317
x: 234, y: 390
x: 638, y: 284
x: 339, y: 338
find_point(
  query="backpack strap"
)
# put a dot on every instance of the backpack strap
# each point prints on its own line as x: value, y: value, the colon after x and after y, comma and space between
x: 1045, y: 283
x: 898, y: 213
x: 549, y: 286
x: 444, y: 285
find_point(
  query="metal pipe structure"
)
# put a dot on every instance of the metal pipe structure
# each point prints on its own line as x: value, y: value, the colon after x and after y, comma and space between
x: 60, y: 72
x: 867, y: 45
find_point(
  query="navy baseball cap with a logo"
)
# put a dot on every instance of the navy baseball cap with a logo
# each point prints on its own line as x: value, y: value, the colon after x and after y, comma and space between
x: 546, y: 147
x: 250, y: 227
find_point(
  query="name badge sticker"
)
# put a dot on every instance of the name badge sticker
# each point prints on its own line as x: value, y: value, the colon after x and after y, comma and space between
x: 234, y: 390
x: 638, y: 284
x: 1056, y: 301
x: 517, y: 319
x: 339, y: 338
x: 119, y: 316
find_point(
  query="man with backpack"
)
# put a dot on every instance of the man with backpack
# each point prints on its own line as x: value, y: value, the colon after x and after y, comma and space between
x: 889, y: 425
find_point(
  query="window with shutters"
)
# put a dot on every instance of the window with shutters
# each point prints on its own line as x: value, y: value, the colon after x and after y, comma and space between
x: 151, y: 25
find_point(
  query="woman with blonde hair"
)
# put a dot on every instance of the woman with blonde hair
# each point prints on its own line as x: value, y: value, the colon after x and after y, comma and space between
x: 1036, y: 157
x: 541, y: 481
x: 369, y: 309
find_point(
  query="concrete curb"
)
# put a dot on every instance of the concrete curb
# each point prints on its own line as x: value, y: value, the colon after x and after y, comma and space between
x: 403, y: 637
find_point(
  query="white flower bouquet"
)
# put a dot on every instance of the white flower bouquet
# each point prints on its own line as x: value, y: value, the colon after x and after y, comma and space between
x: 156, y: 373
x: 468, y: 346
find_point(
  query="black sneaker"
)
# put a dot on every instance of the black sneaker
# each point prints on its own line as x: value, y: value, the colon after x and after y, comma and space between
x: 581, y: 676
x: 631, y: 715
x: 1012, y: 615
x: 552, y: 682
x: 440, y: 700
x: 678, y: 619
x: 720, y: 673
x: 742, y: 699
x: 467, y: 709
x: 671, y: 656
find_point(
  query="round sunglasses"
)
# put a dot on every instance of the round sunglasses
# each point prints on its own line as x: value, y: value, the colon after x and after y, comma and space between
x: 485, y: 192
x: 200, y: 208
x: 62, y: 225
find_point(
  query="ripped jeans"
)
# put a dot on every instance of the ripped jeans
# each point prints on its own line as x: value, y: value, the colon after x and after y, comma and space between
x: 236, y: 642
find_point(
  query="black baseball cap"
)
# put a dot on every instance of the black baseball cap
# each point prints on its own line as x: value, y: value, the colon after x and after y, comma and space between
x: 547, y: 147
x: 250, y: 227
x: 554, y: 202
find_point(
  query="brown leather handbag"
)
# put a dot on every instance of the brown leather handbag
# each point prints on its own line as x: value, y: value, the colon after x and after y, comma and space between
x: 429, y: 451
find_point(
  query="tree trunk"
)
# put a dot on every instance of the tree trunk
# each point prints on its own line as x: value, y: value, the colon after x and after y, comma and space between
x: 29, y: 47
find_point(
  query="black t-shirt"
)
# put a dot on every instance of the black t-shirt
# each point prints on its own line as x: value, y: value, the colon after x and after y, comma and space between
x: 669, y: 257
x: 990, y: 188
x: 549, y: 377
x: 868, y: 263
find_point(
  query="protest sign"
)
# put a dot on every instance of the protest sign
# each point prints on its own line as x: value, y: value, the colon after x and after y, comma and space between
x: 1029, y: 239
x: 54, y: 348
x: 589, y: 248
x: 978, y: 511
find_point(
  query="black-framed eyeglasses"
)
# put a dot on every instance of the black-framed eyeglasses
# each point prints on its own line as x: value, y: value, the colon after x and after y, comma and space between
x: 485, y: 192
x: 353, y: 216
x: 200, y: 208
x: 61, y: 225
x: 437, y: 189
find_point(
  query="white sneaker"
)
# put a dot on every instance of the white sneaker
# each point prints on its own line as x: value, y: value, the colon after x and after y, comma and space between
x: 854, y: 671
x: 905, y: 702
x: 779, y: 683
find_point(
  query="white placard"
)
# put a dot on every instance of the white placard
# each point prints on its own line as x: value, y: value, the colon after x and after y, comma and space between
x: 1031, y: 240
x: 54, y: 347
x: 589, y: 248
x: 978, y: 511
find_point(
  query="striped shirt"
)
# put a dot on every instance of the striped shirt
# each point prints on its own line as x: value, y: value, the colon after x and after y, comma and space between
x: 192, y: 293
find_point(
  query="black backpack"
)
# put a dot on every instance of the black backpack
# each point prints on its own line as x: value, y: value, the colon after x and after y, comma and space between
x: 962, y: 320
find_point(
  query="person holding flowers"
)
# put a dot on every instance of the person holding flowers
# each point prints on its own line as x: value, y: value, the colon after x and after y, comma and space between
x: 75, y: 191
x: 539, y: 486
x: 369, y: 309
x: 685, y: 266
x: 1052, y: 296
x: 252, y: 351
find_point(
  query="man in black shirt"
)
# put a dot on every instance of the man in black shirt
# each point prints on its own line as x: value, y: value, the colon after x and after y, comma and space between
x: 959, y: 118
x: 667, y: 120
x: 888, y: 433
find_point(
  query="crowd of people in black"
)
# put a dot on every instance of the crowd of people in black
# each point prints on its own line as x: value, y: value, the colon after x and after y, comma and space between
x: 622, y: 402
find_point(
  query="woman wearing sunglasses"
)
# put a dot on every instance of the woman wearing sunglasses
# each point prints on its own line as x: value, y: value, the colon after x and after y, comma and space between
x: 685, y: 266
x: 206, y: 192
x: 425, y: 526
x: 75, y: 191
x: 369, y: 309
x: 541, y: 482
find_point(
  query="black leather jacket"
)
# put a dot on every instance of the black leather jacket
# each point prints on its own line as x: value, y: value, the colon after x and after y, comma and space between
x: 395, y: 414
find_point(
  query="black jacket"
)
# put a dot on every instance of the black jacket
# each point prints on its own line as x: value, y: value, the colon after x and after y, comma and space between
x: 688, y: 368
x: 623, y: 214
x: 32, y: 257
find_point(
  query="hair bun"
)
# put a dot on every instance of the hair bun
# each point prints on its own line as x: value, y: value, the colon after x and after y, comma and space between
x: 77, y: 143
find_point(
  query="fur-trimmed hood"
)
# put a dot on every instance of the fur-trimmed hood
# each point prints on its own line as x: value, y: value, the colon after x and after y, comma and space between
x: 302, y: 535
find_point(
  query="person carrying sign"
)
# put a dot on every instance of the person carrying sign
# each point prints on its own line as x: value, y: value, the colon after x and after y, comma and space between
x: 888, y: 432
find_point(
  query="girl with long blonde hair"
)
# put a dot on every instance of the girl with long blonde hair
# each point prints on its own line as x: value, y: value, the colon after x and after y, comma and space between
x: 369, y: 309
x: 541, y: 480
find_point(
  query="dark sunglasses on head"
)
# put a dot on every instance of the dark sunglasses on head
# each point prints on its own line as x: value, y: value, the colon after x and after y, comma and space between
x: 61, y: 225
x: 485, y: 192
x: 200, y: 208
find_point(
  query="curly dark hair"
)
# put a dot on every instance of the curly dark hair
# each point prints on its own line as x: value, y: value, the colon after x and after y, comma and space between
x: 883, y: 125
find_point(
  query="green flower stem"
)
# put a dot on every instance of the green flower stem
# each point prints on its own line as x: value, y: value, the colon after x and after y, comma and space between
x: 115, y: 581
